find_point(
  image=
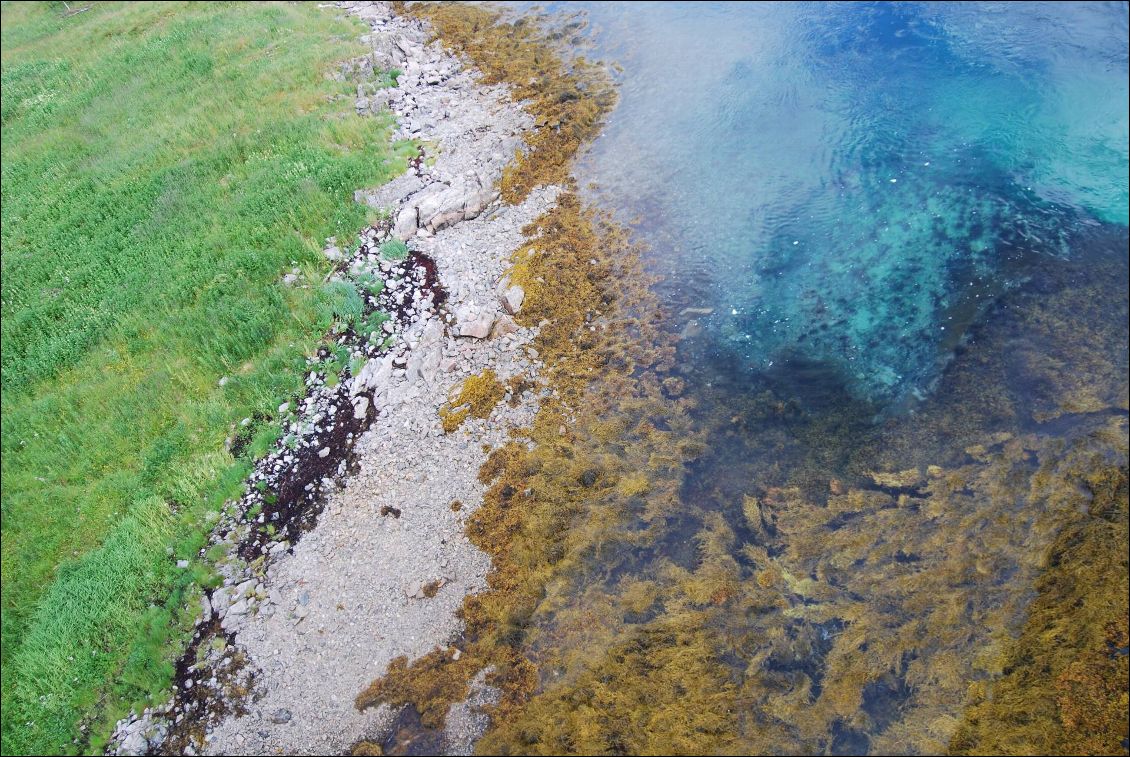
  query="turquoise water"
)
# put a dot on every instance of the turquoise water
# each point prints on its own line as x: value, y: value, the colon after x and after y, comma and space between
x: 894, y: 252
x: 851, y: 185
x: 893, y: 241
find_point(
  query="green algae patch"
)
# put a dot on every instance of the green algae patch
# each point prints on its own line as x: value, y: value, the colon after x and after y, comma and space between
x: 477, y: 397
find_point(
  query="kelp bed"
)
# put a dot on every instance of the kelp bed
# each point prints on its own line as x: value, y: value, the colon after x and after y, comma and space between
x: 688, y: 565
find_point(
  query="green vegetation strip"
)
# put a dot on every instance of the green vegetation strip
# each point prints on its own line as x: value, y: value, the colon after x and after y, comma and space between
x: 164, y: 165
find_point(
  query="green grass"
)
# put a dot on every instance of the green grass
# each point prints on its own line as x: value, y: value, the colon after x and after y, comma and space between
x: 163, y: 166
x: 394, y: 249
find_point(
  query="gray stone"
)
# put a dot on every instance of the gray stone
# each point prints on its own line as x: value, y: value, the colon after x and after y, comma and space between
x: 504, y: 325
x: 407, y: 222
x: 391, y: 194
x: 424, y: 363
x: 512, y: 299
x: 375, y: 373
x: 135, y: 743
x: 221, y: 598
x: 440, y: 205
x: 478, y: 328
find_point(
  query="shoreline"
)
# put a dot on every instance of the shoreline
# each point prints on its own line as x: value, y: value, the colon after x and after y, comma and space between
x: 530, y: 429
x: 350, y: 550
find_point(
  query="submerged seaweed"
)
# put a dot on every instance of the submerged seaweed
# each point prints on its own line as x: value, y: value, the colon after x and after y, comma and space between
x: 691, y: 559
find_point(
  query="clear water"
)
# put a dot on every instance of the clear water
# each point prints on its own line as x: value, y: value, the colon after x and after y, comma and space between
x: 849, y: 185
x: 893, y: 239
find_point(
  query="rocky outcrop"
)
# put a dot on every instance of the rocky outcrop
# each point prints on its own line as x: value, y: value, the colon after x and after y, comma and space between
x: 440, y: 205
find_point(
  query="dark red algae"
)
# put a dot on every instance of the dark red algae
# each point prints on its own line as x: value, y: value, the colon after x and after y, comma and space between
x: 210, y: 680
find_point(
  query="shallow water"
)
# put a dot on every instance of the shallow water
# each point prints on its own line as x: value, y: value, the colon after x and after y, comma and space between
x: 853, y: 477
x: 893, y: 242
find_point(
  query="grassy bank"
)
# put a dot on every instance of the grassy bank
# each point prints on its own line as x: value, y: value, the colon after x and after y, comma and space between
x: 163, y: 166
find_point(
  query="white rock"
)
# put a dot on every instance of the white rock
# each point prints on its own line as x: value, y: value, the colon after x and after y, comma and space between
x: 479, y: 328
x: 503, y: 326
x: 512, y: 299
x: 407, y: 221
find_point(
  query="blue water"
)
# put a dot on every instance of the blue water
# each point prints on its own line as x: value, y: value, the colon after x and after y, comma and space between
x: 850, y: 185
x: 893, y: 239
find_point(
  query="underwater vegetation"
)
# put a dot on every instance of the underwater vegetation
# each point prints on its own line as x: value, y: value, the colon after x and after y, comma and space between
x: 690, y: 559
x: 1064, y: 690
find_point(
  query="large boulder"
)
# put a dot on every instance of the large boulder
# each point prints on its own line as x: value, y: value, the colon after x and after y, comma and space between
x: 440, y: 205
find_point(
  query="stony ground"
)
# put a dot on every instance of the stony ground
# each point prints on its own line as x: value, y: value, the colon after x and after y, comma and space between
x: 307, y: 629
